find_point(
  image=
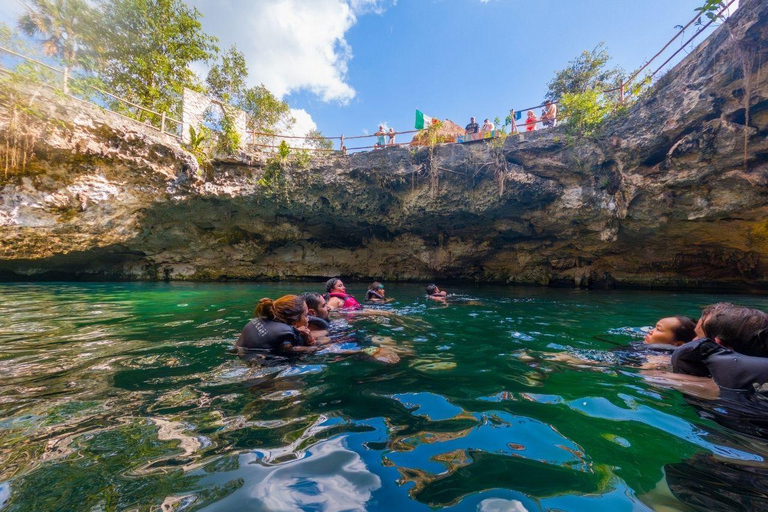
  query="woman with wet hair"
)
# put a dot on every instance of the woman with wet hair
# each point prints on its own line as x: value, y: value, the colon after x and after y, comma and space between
x: 733, y: 351
x: 278, y: 325
x: 672, y: 331
x: 337, y: 297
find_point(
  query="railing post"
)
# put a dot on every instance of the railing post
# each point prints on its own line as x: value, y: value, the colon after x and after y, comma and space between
x: 162, y: 123
x: 66, y: 79
x: 341, y: 144
x: 621, y: 93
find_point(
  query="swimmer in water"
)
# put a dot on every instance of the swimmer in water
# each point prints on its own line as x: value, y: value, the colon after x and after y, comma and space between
x: 434, y: 293
x: 376, y: 293
x: 278, y: 325
x: 733, y: 349
x: 337, y: 297
x: 317, y: 310
x: 658, y: 344
x: 672, y: 331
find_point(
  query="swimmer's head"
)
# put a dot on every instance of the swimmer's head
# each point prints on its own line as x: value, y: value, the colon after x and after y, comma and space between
x: 674, y: 330
x: 289, y: 309
x: 745, y: 330
x: 432, y: 289
x: 334, y: 285
x: 375, y: 286
x: 316, y: 305
x: 706, y: 312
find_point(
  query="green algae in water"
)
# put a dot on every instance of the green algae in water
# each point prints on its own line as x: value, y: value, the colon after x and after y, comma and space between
x: 124, y: 397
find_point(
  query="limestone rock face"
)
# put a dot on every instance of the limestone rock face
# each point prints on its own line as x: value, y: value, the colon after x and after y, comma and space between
x: 673, y: 194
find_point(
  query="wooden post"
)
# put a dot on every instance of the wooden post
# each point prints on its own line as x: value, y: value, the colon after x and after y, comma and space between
x: 621, y: 93
x: 162, y: 123
x: 341, y: 144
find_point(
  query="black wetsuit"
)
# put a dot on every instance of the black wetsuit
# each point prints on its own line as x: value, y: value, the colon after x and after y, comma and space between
x: 318, y: 323
x: 261, y: 334
x: 729, y: 369
x: 373, y: 294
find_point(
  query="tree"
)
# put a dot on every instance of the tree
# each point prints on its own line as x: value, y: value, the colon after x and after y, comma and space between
x: 589, y: 71
x: 265, y: 111
x: 227, y: 81
x: 147, y: 49
x: 60, y: 25
x: 585, y: 111
x: 317, y: 140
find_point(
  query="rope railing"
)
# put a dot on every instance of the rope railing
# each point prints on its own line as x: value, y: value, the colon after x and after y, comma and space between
x: 279, y: 136
x: 712, y: 20
x: 164, y: 118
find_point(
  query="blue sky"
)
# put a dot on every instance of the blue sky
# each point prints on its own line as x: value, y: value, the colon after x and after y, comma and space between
x: 458, y: 58
x: 348, y: 65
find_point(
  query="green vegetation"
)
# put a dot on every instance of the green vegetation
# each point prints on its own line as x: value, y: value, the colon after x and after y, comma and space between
x: 60, y: 27
x: 710, y: 10
x: 142, y: 51
x: 500, y: 165
x: 196, y: 146
x: 25, y: 125
x: 585, y: 111
x: 146, y: 50
x: 589, y: 91
x: 587, y: 72
x: 273, y: 171
x: 227, y: 81
x: 228, y: 141
x: 316, y: 140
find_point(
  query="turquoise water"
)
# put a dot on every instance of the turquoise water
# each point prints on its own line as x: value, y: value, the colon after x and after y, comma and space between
x: 124, y: 397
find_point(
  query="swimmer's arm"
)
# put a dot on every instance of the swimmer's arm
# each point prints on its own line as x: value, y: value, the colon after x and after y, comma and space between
x: 565, y: 357
x: 655, y: 362
x: 309, y: 349
x: 289, y: 348
x: 702, y: 387
x: 321, y: 339
x: 334, y: 303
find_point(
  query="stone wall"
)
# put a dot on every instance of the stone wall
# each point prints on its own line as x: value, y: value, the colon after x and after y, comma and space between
x: 665, y: 196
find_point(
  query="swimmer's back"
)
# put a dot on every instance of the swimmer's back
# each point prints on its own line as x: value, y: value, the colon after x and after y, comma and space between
x: 261, y: 334
x: 729, y: 369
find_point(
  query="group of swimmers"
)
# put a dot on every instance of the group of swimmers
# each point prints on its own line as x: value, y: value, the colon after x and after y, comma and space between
x: 728, y: 343
x: 300, y: 323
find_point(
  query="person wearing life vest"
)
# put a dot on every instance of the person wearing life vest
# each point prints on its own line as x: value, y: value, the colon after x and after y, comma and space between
x: 279, y: 326
x: 337, y: 297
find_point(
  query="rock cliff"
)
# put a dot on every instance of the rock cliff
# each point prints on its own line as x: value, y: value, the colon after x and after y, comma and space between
x: 673, y: 194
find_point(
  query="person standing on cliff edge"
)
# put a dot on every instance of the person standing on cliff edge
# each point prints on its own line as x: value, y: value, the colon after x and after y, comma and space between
x: 549, y: 118
x: 472, y: 127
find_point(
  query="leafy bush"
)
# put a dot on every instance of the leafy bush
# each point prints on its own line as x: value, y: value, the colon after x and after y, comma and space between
x: 585, y: 111
x: 228, y: 140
